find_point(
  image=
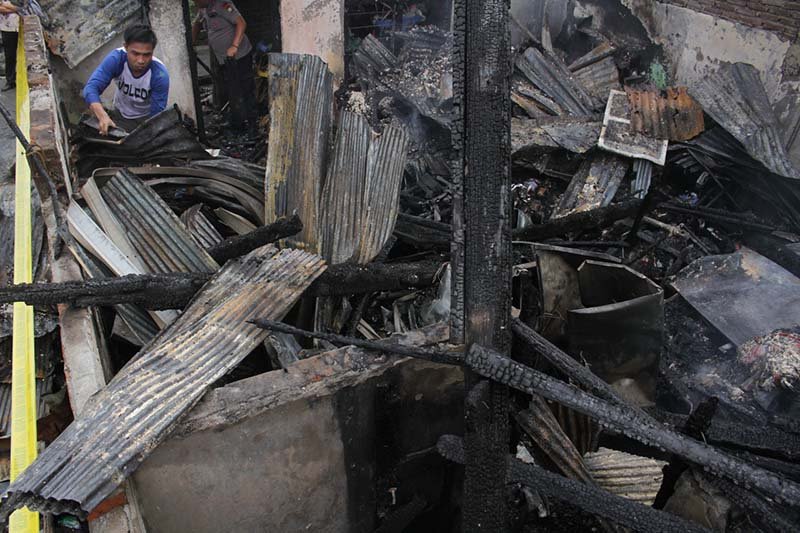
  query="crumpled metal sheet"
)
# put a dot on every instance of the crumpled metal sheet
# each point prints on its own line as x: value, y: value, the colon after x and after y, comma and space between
x: 736, y: 99
x: 599, y: 78
x: 160, y: 139
x: 301, y: 96
x: 362, y: 190
x: 594, y: 185
x: 203, y: 232
x: 630, y: 476
x: 595, y: 55
x: 533, y: 136
x: 76, y: 28
x: 618, y: 136
x: 744, y: 294
x: 552, y: 77
x: 127, y: 419
x: 163, y: 242
x: 372, y: 59
x: 676, y: 116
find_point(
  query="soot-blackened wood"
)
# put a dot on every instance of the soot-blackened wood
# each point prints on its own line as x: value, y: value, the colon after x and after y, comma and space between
x: 240, y: 245
x: 582, y: 221
x: 631, y: 423
x: 350, y: 278
x: 621, y: 510
x: 457, y: 172
x: 486, y: 216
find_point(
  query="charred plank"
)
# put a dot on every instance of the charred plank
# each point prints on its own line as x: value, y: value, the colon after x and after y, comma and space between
x: 240, y: 245
x: 595, y: 219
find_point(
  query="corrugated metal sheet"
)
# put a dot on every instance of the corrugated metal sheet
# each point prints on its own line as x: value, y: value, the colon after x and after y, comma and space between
x: 599, y: 78
x: 126, y: 420
x: 551, y: 76
x: 301, y: 95
x: 617, y: 135
x: 43, y: 387
x: 201, y: 180
x: 249, y: 173
x: 163, y: 242
x: 594, y: 185
x: 676, y: 116
x: 362, y: 190
x: 76, y: 28
x: 203, y: 232
x: 596, y: 54
x: 341, y: 211
x: 135, y: 317
x: 630, y: 476
x: 737, y: 100
x: 372, y: 59
x: 386, y: 162
x: 644, y: 177
x: 531, y: 136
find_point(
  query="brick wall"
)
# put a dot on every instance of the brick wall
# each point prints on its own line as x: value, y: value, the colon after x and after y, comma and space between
x: 779, y: 16
x: 263, y: 21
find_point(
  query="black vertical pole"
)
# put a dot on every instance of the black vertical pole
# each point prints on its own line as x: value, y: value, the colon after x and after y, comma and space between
x: 198, y: 105
x: 485, y: 217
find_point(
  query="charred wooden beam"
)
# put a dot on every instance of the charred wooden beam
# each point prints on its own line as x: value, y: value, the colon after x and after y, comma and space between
x: 585, y: 220
x: 482, y: 237
x: 629, y: 422
x: 349, y: 278
x: 384, y: 346
x: 161, y: 291
x: 624, y: 512
x: 173, y: 291
x: 240, y: 245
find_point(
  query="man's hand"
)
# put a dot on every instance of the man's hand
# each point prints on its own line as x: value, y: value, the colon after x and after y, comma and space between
x: 104, y: 121
x: 232, y: 51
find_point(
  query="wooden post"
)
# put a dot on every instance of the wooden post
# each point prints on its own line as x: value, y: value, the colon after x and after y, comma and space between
x: 482, y: 240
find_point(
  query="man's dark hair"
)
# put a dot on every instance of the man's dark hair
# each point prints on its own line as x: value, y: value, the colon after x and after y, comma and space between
x: 139, y: 33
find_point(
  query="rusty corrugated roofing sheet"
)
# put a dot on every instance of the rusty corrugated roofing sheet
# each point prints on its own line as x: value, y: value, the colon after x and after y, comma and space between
x: 735, y: 97
x: 552, y: 77
x: 675, y: 116
x: 76, y: 28
x: 617, y: 136
x: 361, y: 191
x: 301, y: 95
x: 163, y: 242
x: 122, y: 423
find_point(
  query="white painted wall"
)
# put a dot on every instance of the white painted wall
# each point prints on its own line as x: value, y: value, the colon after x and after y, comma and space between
x: 315, y: 27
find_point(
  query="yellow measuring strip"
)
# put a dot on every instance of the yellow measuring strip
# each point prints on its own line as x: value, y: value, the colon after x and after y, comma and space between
x: 23, y: 365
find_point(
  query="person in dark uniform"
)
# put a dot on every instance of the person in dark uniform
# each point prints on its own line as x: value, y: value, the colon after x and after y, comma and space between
x: 232, y: 48
x: 9, y: 27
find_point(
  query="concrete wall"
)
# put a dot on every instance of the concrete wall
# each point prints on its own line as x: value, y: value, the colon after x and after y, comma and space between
x: 305, y: 449
x: 167, y: 19
x: 315, y: 27
x: 780, y: 16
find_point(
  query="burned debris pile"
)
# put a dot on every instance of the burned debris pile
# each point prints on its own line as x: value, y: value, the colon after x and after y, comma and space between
x: 625, y: 348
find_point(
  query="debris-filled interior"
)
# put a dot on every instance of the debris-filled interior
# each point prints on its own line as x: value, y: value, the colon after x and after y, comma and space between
x: 401, y: 266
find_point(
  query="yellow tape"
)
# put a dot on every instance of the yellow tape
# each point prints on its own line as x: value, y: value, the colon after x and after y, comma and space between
x: 23, y: 365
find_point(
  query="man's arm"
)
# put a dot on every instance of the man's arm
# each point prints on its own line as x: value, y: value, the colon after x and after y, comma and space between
x: 159, y: 89
x: 110, y: 68
x: 197, y: 25
x: 241, y: 25
x: 8, y: 8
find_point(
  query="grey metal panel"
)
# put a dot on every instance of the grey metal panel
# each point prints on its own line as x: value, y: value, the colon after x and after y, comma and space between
x: 135, y: 317
x: 743, y: 294
x: 42, y: 387
x: 386, y: 162
x: 157, y: 233
x: 126, y: 420
x: 301, y: 93
x: 599, y: 78
x: 342, y: 201
x: 533, y: 136
x: 737, y: 100
x: 372, y: 58
x: 249, y: 173
x: 76, y: 28
x: 552, y: 77
x: 594, y: 185
x: 203, y: 232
